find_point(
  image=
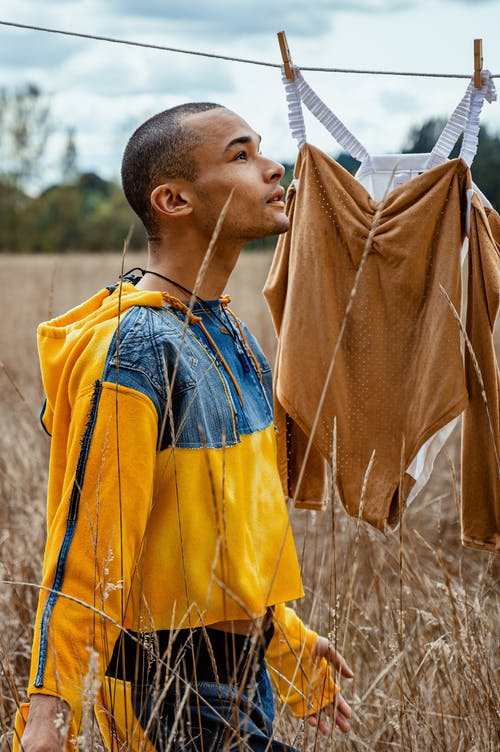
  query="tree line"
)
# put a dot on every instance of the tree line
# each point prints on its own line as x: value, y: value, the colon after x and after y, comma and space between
x: 82, y: 211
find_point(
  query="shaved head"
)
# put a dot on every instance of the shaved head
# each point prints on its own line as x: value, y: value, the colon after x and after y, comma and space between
x: 160, y: 149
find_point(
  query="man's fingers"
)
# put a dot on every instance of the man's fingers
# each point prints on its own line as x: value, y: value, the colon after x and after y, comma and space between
x: 343, y: 714
x: 320, y: 722
x: 325, y: 649
x: 342, y: 722
x: 343, y: 707
x: 340, y: 664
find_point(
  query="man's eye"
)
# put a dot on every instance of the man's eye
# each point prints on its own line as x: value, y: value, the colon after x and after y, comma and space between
x: 241, y: 155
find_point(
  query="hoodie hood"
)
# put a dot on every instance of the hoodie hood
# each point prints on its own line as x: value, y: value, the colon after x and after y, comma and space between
x: 62, y: 341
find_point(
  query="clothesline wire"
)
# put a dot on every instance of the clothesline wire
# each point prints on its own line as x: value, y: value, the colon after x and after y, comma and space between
x: 215, y: 56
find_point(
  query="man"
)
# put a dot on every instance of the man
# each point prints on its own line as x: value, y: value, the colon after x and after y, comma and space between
x: 169, y: 554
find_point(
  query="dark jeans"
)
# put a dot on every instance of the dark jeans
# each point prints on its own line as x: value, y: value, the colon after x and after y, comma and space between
x: 213, y: 718
x: 199, y: 690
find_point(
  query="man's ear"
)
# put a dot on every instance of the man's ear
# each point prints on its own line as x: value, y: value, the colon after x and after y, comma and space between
x: 172, y: 200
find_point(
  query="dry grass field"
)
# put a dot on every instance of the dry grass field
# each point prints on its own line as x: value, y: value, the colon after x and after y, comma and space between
x: 415, y: 613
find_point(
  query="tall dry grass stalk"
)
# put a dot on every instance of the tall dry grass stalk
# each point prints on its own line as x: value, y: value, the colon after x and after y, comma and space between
x: 415, y: 613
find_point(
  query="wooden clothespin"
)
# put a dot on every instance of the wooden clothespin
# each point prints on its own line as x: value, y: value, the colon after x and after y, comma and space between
x: 478, y: 63
x: 285, y: 54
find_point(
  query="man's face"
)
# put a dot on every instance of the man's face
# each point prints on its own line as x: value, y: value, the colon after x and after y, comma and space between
x: 228, y: 156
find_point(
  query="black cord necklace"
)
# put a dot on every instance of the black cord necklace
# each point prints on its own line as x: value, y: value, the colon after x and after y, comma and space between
x: 162, y: 276
x: 225, y: 327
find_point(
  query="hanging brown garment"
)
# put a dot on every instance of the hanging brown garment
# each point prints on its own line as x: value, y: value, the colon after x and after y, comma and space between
x: 481, y: 419
x: 398, y: 375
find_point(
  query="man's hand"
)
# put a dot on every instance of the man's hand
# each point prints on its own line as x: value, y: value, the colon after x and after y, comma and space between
x: 46, y: 726
x: 339, y: 709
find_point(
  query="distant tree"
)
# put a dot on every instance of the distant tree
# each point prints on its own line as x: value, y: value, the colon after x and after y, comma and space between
x: 69, y: 160
x: 348, y: 162
x: 13, y: 207
x: 107, y: 215
x: 421, y: 138
x: 89, y: 214
x: 486, y: 166
x: 25, y: 127
x: 83, y: 212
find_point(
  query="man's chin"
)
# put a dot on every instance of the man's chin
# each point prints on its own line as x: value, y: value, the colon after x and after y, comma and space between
x: 277, y: 228
x: 282, y: 225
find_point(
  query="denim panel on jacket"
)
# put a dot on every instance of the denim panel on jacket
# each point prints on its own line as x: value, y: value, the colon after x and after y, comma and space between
x: 176, y: 366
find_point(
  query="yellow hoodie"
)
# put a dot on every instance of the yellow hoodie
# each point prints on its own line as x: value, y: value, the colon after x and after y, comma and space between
x: 165, y: 508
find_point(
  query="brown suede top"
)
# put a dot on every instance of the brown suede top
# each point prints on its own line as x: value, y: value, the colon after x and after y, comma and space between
x: 481, y: 420
x: 398, y: 375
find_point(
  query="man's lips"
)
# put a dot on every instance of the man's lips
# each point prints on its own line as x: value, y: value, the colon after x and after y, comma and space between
x: 276, y: 198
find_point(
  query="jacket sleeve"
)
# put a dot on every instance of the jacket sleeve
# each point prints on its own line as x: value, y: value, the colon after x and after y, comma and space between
x: 303, y: 682
x: 94, y: 539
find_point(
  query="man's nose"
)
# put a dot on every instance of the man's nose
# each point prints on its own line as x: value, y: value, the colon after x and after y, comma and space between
x: 274, y: 170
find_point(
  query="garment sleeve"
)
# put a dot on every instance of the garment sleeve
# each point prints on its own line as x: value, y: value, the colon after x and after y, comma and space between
x: 303, y: 682
x: 94, y: 539
x: 292, y: 441
x: 481, y: 420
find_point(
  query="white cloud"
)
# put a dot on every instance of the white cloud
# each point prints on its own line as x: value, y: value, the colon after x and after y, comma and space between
x: 225, y: 17
x: 474, y: 2
x: 399, y: 101
x: 130, y: 73
x: 23, y: 49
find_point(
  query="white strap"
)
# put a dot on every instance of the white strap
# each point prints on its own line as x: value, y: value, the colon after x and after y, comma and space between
x: 451, y: 131
x: 471, y: 133
x: 295, y: 115
x: 464, y: 119
x: 333, y: 125
x: 298, y: 91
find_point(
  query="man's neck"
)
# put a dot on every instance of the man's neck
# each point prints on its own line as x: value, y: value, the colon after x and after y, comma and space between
x: 182, y: 266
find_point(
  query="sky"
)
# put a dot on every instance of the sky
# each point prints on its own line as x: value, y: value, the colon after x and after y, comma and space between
x: 104, y: 91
